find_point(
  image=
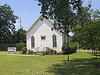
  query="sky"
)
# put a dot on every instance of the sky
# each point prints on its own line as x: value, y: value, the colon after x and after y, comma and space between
x: 29, y: 11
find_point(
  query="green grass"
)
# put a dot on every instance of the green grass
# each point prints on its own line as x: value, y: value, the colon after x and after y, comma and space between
x: 6, y: 52
x: 3, y: 51
x: 82, y: 64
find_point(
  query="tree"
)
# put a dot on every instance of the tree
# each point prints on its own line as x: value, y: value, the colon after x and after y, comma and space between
x: 95, y: 14
x: 7, y: 21
x: 64, y: 13
x: 84, y: 19
x: 20, y: 36
x: 88, y: 35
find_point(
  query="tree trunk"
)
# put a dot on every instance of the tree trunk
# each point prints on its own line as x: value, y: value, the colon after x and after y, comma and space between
x: 68, y: 58
x: 68, y: 50
x: 96, y: 54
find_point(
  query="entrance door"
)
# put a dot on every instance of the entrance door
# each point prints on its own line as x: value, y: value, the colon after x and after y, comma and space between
x: 43, y: 43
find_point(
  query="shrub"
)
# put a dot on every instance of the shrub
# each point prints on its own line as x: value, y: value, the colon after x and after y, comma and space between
x: 50, y: 51
x: 69, y: 48
x: 30, y: 52
x: 19, y: 46
x: 24, y: 50
x: 41, y: 53
x: 54, y: 52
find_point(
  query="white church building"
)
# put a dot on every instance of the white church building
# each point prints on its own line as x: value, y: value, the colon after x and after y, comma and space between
x: 41, y: 35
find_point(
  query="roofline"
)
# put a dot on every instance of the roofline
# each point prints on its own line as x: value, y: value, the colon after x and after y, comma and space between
x: 33, y: 24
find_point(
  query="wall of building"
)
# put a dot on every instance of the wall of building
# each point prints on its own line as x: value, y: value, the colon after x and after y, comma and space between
x: 43, y: 28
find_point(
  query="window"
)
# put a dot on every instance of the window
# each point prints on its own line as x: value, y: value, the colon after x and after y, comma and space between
x: 32, y: 42
x: 54, y: 41
x: 42, y: 37
x: 51, y: 29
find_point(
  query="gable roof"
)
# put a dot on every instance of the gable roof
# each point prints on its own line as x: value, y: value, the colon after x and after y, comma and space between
x: 33, y: 24
x: 36, y: 23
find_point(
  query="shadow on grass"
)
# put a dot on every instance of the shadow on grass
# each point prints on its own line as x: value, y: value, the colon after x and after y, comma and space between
x: 86, y: 66
x: 94, y: 54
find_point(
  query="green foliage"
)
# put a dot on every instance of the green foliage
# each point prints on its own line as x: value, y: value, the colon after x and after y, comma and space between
x: 7, y: 27
x: 66, y: 14
x: 69, y: 48
x: 74, y: 46
x: 50, y: 51
x: 96, y: 14
x: 19, y: 36
x: 30, y: 52
x: 54, y: 52
x: 24, y: 50
x: 40, y: 53
x: 89, y: 36
x: 20, y: 45
x: 62, y: 12
x: 7, y: 21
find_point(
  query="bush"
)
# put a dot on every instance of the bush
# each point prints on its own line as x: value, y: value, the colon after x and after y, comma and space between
x: 54, y: 52
x: 50, y: 51
x: 41, y: 53
x: 30, y: 52
x: 19, y: 46
x: 24, y: 50
x: 69, y: 48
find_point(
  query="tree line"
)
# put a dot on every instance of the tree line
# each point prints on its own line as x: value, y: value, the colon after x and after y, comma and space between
x: 8, y: 32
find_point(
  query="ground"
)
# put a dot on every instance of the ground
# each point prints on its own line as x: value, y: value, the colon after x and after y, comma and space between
x: 80, y: 64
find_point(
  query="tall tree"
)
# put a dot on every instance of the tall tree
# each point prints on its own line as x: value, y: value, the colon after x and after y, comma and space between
x: 84, y: 18
x: 88, y: 35
x: 7, y: 21
x: 64, y: 13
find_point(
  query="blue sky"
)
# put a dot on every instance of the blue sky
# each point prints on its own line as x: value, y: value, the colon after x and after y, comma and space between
x: 29, y: 11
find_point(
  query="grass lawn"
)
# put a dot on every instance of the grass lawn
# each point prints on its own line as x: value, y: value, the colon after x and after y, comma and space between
x: 6, y: 52
x: 82, y: 64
